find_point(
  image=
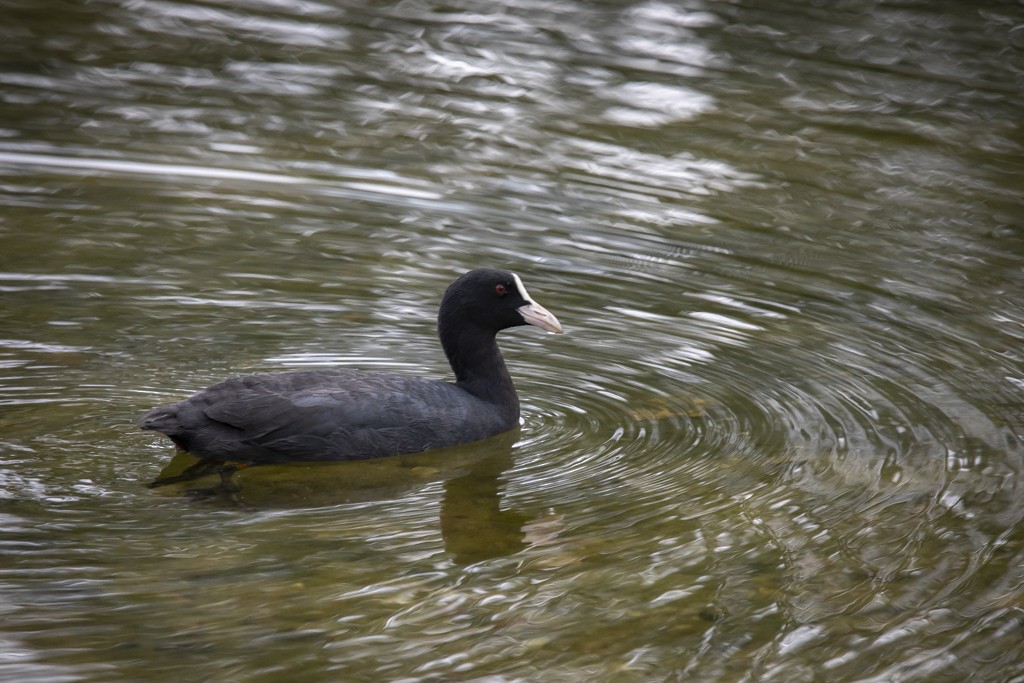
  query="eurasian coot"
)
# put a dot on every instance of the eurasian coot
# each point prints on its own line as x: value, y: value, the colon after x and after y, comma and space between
x: 348, y: 414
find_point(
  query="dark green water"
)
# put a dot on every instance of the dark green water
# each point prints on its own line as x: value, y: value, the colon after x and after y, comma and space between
x: 780, y: 441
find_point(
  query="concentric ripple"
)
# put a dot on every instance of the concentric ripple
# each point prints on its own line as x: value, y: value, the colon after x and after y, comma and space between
x: 726, y: 393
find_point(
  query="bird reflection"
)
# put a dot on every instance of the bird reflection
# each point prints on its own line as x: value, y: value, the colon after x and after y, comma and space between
x: 473, y: 524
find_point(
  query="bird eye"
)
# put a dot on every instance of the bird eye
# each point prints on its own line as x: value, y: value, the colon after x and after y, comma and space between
x: 500, y: 290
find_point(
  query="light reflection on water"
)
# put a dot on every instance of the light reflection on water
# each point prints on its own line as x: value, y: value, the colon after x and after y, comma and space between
x: 779, y: 441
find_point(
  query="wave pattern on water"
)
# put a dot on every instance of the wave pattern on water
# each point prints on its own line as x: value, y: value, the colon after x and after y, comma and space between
x: 780, y: 441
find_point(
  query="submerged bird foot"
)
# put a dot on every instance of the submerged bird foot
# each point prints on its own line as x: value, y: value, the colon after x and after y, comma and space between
x: 201, y: 469
x: 190, y: 473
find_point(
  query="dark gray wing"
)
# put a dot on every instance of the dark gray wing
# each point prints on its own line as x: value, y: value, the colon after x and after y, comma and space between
x: 319, y: 415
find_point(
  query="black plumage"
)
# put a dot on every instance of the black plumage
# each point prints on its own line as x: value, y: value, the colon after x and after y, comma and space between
x: 347, y: 414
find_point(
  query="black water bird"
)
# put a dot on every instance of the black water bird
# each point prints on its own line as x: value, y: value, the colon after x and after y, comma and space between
x: 348, y: 414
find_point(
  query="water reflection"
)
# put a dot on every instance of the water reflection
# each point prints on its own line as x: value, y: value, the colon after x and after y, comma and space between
x: 473, y: 523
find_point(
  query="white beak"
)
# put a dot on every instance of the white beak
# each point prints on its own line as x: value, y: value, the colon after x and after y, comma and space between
x: 535, y: 314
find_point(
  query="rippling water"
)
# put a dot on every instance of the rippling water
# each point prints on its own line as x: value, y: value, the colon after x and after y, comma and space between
x: 780, y: 441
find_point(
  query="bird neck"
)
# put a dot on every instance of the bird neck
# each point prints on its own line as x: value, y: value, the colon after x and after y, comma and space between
x: 478, y: 366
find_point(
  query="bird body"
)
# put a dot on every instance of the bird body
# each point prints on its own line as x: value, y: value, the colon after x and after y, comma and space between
x: 348, y: 414
x: 325, y: 415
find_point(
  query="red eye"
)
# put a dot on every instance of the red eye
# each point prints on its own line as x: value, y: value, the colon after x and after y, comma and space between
x: 500, y: 290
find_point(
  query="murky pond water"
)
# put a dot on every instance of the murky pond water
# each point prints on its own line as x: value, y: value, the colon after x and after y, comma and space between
x: 780, y: 441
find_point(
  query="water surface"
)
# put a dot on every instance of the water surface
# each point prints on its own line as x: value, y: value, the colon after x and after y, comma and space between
x: 780, y: 441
